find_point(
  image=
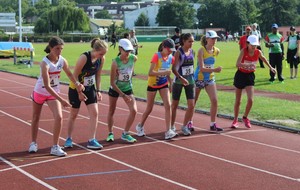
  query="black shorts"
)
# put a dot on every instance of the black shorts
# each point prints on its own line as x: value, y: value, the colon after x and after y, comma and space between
x: 115, y: 94
x: 151, y: 89
x: 241, y: 79
x: 90, y: 93
x: 189, y: 91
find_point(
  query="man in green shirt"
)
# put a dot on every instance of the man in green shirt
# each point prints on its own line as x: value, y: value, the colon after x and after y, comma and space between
x: 274, y: 41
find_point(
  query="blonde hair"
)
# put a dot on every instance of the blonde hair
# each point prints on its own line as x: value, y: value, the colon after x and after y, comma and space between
x: 203, y: 40
x: 98, y: 44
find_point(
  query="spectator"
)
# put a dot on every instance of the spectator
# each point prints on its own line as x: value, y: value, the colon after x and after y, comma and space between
x: 243, y: 39
x: 293, y: 52
x: 257, y: 33
x: 274, y: 41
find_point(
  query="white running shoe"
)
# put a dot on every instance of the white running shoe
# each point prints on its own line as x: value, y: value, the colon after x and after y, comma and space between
x: 33, y: 147
x: 170, y: 134
x: 185, y: 130
x: 140, y: 130
x: 173, y: 127
x: 57, y: 151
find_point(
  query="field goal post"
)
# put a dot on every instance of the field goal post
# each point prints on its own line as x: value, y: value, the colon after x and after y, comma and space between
x: 166, y: 31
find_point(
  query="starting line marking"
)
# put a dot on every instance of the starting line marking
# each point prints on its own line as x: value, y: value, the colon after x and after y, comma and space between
x: 88, y: 174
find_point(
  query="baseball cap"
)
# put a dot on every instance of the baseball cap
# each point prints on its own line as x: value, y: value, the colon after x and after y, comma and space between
x: 211, y: 34
x: 169, y: 43
x: 274, y: 25
x: 292, y: 28
x: 253, y: 40
x: 125, y: 44
x: 248, y: 28
x: 255, y: 24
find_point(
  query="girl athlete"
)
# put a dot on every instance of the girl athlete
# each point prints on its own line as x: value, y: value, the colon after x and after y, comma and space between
x: 121, y: 85
x: 204, y: 74
x: 47, y: 90
x: 183, y: 69
x: 293, y: 52
x: 88, y: 71
x: 244, y: 78
x: 158, y: 79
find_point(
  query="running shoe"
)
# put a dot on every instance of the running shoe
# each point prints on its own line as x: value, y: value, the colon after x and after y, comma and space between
x: 190, y: 126
x: 140, y: 130
x: 68, y: 143
x: 110, y: 137
x: 214, y: 127
x: 33, y: 147
x: 128, y: 138
x: 170, y: 134
x: 173, y: 127
x: 247, y: 123
x: 57, y: 151
x: 185, y: 130
x: 234, y: 124
x: 94, y: 145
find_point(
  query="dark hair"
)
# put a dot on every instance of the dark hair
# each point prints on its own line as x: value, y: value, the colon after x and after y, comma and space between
x: 184, y: 37
x: 177, y: 30
x: 54, y: 41
x: 203, y: 40
x: 126, y: 35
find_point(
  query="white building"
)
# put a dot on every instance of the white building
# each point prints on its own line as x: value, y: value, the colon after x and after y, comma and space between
x: 131, y: 17
x: 8, y: 22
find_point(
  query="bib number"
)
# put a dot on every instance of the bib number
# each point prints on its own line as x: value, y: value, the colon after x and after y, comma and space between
x: 54, y: 80
x: 124, y: 76
x: 89, y: 81
x: 187, y: 70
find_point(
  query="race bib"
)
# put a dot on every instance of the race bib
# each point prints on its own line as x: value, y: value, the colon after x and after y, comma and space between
x: 124, y: 76
x: 187, y: 70
x: 162, y: 69
x: 249, y: 65
x: 54, y: 80
x: 89, y: 81
x: 208, y: 66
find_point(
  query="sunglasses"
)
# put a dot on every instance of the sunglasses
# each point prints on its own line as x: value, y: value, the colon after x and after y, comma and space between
x: 127, y: 51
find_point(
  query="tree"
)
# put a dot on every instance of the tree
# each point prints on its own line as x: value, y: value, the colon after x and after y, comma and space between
x: 282, y: 12
x: 103, y: 14
x: 175, y: 13
x: 142, y: 20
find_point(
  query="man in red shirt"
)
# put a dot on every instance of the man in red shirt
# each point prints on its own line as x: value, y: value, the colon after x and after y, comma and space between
x: 243, y: 39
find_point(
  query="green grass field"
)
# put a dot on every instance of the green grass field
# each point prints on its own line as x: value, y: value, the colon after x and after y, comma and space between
x: 264, y: 108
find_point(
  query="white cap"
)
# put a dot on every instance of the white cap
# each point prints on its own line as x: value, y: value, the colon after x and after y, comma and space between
x: 211, y: 34
x: 253, y: 40
x: 125, y: 44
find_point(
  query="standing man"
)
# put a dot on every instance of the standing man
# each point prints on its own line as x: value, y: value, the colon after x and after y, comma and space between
x: 274, y: 41
x: 176, y: 38
x: 243, y: 39
x: 135, y: 45
x: 257, y: 33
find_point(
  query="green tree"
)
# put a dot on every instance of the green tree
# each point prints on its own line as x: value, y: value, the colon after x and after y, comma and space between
x: 103, y: 14
x: 142, y: 20
x: 175, y: 13
x: 282, y: 12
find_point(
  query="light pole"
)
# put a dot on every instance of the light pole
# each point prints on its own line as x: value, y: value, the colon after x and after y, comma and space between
x: 20, y: 21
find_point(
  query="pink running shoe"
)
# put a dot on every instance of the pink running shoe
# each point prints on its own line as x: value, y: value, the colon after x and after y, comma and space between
x: 247, y: 123
x: 190, y: 126
x: 234, y: 124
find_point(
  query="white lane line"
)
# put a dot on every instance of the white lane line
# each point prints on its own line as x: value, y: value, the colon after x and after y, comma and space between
x: 211, y: 156
x: 28, y: 174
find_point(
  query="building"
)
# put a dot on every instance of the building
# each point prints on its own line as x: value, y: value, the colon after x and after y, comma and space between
x: 8, y: 22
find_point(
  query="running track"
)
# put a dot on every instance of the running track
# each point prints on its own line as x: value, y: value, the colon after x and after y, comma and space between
x: 259, y: 158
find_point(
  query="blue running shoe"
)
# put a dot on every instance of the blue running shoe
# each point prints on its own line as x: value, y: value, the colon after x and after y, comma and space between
x: 68, y: 143
x: 93, y: 144
x: 128, y: 138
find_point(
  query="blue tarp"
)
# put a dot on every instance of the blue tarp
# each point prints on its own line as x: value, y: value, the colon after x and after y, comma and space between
x: 22, y: 48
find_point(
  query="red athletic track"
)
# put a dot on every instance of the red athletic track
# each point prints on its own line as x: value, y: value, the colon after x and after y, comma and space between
x: 259, y: 158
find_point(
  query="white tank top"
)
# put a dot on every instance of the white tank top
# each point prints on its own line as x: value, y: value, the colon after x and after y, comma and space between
x: 54, y: 74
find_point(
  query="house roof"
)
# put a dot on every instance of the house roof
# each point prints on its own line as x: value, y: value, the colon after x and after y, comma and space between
x: 106, y: 22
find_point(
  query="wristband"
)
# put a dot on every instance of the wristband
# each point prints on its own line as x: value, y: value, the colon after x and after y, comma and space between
x: 98, y: 90
x: 77, y: 83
